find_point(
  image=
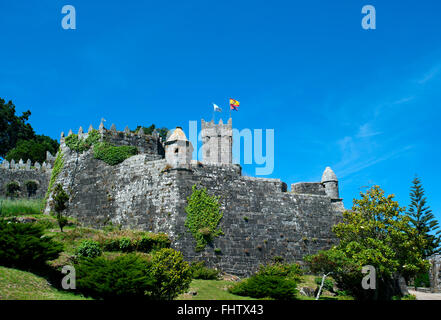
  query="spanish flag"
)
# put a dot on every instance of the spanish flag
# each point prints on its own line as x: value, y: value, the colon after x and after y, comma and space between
x: 234, y: 104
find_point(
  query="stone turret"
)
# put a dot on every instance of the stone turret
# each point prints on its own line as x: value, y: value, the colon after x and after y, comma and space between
x: 330, y: 181
x: 217, y: 142
x: 178, y: 150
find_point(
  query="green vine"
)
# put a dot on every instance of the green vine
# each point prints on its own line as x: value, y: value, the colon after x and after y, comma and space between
x: 104, y: 151
x: 113, y: 155
x: 203, y: 216
x: 79, y: 145
x: 58, y: 165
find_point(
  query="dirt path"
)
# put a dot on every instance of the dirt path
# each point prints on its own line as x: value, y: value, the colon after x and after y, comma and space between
x: 425, y: 295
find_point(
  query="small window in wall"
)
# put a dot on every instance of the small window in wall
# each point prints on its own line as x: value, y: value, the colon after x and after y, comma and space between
x: 177, y: 150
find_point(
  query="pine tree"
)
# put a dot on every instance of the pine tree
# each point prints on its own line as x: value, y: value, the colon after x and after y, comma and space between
x: 423, y: 220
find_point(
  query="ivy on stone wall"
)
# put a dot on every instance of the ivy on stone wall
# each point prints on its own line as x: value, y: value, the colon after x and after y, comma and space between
x: 58, y: 165
x: 79, y: 145
x: 110, y: 154
x: 203, y: 217
x: 113, y: 155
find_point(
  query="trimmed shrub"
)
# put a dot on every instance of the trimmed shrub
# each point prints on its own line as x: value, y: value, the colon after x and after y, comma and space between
x: 266, y: 286
x: 24, y: 246
x: 124, y: 276
x: 277, y: 281
x: 89, y: 249
x: 171, y: 274
x: 200, y: 271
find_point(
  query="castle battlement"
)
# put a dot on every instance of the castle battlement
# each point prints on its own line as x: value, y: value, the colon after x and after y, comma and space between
x: 146, y: 144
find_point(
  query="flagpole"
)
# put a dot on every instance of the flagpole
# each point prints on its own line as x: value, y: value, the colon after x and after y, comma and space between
x: 229, y: 107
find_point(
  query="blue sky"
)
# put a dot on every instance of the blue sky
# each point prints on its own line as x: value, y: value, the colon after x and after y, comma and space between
x: 365, y: 102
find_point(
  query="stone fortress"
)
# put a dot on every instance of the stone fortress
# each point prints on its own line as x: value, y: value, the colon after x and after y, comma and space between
x: 21, y: 172
x: 261, y: 218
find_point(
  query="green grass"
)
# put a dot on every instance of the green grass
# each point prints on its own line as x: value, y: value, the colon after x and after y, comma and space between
x: 15, y: 207
x: 21, y: 285
x: 211, y: 290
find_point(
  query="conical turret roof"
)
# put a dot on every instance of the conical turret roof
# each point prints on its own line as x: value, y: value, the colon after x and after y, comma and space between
x: 177, y: 134
x: 329, y: 175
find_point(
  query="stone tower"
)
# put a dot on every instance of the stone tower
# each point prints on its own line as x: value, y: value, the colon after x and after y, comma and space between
x: 217, y: 142
x: 178, y: 150
x: 330, y: 181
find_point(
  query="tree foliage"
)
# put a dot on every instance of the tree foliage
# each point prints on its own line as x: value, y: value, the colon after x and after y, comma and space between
x: 59, y: 204
x: 149, y: 130
x: 375, y: 232
x: 24, y: 246
x: 423, y: 220
x: 34, y: 149
x: 12, y: 127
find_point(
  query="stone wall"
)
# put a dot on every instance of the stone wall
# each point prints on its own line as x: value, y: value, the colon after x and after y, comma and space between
x: 260, y: 219
x: 435, y: 273
x: 41, y: 176
x: 316, y: 188
x: 146, y: 144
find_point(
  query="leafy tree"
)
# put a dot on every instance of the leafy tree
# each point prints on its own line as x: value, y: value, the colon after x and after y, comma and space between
x: 60, y: 198
x: 375, y: 232
x: 12, y: 127
x: 149, y: 130
x: 423, y: 220
x: 34, y: 149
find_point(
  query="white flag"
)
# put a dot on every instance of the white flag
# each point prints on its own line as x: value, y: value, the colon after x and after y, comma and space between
x: 216, y: 108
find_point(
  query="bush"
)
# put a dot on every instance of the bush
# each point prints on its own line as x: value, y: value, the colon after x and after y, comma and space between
x: 266, y: 286
x: 79, y: 145
x: 12, y: 189
x: 422, y: 280
x: 25, y: 246
x: 284, y: 270
x: 171, y: 274
x: 124, y: 276
x: 126, y: 245
x: 145, y: 244
x: 278, y: 281
x: 200, y: 271
x: 31, y: 187
x: 153, y: 242
x: 328, y: 284
x: 89, y: 249
x: 113, y: 155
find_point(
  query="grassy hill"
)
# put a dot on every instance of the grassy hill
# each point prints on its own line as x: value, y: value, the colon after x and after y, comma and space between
x: 21, y: 285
